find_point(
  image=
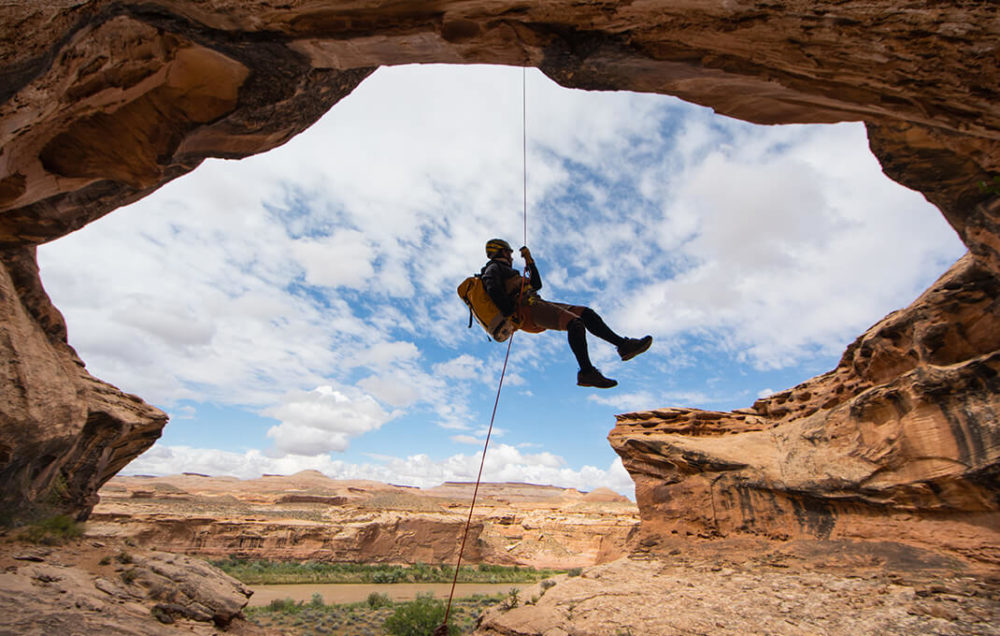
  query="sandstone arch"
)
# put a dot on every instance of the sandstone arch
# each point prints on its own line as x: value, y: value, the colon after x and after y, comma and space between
x: 102, y: 102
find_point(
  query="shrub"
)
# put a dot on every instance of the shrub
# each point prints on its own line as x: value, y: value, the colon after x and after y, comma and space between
x: 513, y: 596
x: 388, y: 576
x: 317, y: 600
x: 284, y: 606
x: 575, y: 571
x: 376, y: 600
x: 52, y: 531
x: 418, y: 618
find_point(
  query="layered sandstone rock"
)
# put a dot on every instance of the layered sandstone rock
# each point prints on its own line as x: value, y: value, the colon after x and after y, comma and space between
x: 110, y: 588
x: 102, y: 102
x: 308, y: 516
x: 105, y: 100
x: 762, y: 592
x: 63, y: 432
x: 900, y: 441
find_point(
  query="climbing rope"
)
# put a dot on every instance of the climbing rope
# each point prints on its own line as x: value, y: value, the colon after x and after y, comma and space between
x: 443, y: 629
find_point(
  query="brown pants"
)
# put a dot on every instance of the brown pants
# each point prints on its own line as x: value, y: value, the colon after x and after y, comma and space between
x: 537, y: 315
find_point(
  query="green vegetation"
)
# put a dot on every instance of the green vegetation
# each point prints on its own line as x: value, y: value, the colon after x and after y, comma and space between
x: 378, y: 601
x: 418, y: 618
x: 261, y: 572
x: 376, y: 617
x: 52, y: 531
x: 58, y: 491
x: 512, y: 599
x: 993, y: 188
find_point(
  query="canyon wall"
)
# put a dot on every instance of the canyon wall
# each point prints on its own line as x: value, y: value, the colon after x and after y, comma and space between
x: 310, y: 517
x: 900, y: 441
x: 102, y: 102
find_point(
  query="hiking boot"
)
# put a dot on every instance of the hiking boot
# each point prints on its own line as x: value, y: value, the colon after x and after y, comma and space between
x: 634, y: 346
x: 592, y: 377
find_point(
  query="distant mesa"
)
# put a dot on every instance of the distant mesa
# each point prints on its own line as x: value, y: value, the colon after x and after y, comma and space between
x: 332, y: 520
x: 603, y: 495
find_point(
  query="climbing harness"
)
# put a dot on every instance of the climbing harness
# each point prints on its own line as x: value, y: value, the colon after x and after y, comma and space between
x: 510, y: 341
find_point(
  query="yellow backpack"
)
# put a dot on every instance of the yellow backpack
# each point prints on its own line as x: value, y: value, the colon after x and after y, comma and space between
x: 486, y: 313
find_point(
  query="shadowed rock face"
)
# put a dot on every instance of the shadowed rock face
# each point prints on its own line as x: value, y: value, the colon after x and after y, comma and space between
x: 102, y: 102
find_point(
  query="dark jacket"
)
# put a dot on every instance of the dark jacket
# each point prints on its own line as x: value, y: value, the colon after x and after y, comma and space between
x: 503, y: 284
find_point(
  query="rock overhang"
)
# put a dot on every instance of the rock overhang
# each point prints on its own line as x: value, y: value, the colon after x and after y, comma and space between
x: 103, y: 102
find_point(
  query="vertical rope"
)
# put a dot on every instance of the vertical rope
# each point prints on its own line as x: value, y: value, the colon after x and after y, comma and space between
x: 442, y: 630
x: 475, y: 492
x: 524, y: 151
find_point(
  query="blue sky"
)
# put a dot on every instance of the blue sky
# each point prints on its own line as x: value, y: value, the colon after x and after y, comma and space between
x: 297, y: 309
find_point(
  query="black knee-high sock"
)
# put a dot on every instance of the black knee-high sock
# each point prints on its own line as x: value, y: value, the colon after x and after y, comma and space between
x: 577, y: 334
x: 596, y: 326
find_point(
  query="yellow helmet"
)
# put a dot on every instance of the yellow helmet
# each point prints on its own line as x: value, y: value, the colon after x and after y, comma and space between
x: 494, y: 247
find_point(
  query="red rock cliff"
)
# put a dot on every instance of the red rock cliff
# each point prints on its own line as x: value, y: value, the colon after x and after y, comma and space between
x: 102, y: 102
x: 900, y: 441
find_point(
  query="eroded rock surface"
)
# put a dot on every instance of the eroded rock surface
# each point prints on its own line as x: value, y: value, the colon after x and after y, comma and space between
x: 90, y: 587
x: 900, y: 441
x: 818, y: 588
x: 103, y: 101
x: 63, y: 432
x: 308, y: 516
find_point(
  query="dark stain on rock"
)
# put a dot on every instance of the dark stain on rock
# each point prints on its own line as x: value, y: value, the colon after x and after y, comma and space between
x: 566, y: 57
x: 11, y: 188
x: 815, y: 517
x: 460, y: 30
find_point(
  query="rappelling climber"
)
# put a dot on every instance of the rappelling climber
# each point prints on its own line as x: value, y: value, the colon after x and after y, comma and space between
x: 529, y: 312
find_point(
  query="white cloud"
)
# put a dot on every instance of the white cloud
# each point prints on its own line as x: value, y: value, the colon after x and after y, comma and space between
x: 634, y: 402
x: 464, y: 367
x: 778, y: 246
x: 395, y: 388
x: 343, y: 259
x: 323, y: 420
x: 387, y: 354
x: 503, y: 463
x: 333, y: 260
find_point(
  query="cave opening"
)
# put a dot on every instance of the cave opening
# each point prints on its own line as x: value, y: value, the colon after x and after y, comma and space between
x: 296, y: 309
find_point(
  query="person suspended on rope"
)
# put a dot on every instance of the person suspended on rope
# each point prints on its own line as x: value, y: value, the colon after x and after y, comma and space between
x: 520, y: 301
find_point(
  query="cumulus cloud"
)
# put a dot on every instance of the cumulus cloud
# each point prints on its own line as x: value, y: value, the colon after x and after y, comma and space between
x: 394, y: 388
x: 464, y: 367
x: 323, y: 420
x: 503, y: 463
x: 777, y: 247
x: 332, y: 261
x: 342, y: 259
